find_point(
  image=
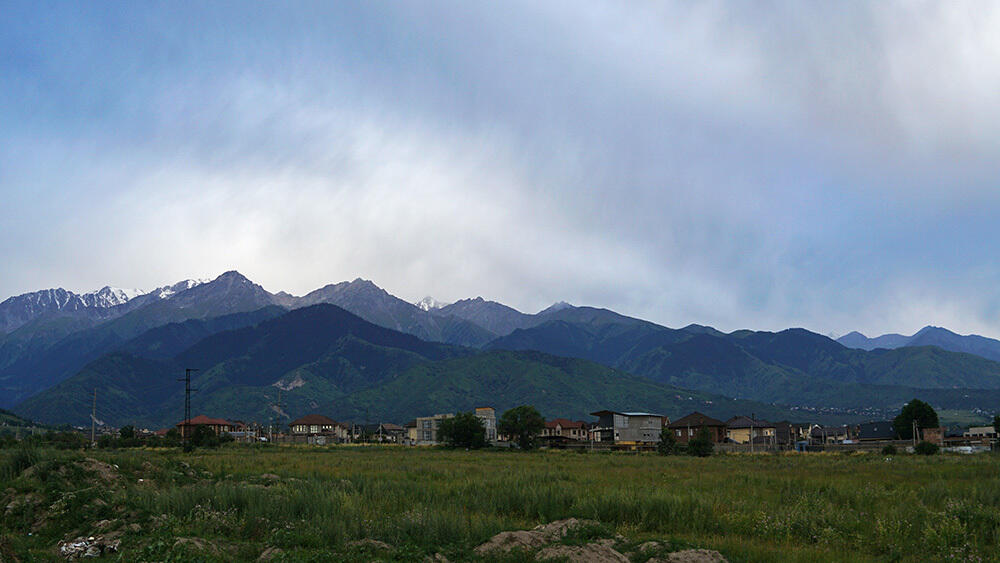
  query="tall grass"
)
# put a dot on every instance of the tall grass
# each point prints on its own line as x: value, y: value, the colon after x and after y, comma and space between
x: 753, y: 508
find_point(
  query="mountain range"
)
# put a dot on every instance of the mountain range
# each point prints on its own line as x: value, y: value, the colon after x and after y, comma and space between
x: 431, y: 356
x: 928, y: 336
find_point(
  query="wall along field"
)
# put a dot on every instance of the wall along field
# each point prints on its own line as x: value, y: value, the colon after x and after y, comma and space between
x: 309, y: 504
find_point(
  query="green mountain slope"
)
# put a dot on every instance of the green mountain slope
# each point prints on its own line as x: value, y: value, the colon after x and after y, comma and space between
x: 794, y: 367
x: 324, y: 359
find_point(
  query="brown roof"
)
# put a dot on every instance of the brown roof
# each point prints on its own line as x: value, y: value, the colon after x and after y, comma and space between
x: 310, y: 419
x: 204, y: 420
x: 565, y: 423
x: 390, y: 426
x: 695, y: 419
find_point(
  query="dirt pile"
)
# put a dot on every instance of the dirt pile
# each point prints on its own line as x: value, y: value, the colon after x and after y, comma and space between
x: 580, y: 541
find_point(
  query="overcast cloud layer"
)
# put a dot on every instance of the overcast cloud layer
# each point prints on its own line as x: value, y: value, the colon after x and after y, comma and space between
x: 834, y: 166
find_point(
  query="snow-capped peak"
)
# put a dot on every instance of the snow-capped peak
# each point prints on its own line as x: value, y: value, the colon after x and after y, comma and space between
x: 428, y: 303
x: 110, y: 296
x: 169, y: 290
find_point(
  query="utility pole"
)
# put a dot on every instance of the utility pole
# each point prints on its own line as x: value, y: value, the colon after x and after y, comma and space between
x: 277, y: 409
x: 93, y: 421
x: 186, y: 428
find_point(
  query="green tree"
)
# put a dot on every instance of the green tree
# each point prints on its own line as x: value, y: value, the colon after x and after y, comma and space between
x: 996, y: 423
x: 172, y: 438
x: 926, y: 448
x: 915, y: 410
x: 464, y: 430
x: 701, y: 445
x: 668, y: 442
x: 126, y: 432
x: 522, y: 424
x: 204, y: 437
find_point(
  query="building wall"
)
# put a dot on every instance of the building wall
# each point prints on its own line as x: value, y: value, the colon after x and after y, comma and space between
x: 427, y: 428
x: 742, y: 435
x: 686, y: 434
x: 636, y: 429
x: 489, y: 418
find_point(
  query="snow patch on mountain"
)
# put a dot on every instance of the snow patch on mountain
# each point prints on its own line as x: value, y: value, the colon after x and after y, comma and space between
x: 429, y: 303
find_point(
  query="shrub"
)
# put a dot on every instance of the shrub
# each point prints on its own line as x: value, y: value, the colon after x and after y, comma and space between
x: 204, y: 437
x: 23, y: 457
x: 926, y: 448
x: 889, y: 450
x: 701, y: 445
x: 668, y: 443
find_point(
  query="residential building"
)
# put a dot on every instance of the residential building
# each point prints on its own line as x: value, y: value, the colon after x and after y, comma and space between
x: 688, y: 427
x: 934, y: 435
x: 311, y: 425
x: 787, y: 433
x: 384, y: 432
x: 882, y: 430
x: 628, y: 427
x: 562, y: 428
x: 410, y: 429
x: 489, y: 417
x: 981, y: 432
x: 831, y: 434
x: 427, y: 427
x: 217, y: 425
x: 744, y: 430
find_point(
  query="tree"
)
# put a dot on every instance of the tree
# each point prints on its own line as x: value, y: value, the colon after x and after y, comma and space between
x: 464, y: 430
x: 204, y: 437
x: 172, y: 437
x: 996, y: 423
x: 915, y: 410
x: 668, y: 442
x: 127, y: 432
x: 701, y: 445
x: 926, y: 448
x: 522, y: 424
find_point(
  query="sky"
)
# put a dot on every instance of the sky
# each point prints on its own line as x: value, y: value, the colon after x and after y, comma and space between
x: 833, y: 166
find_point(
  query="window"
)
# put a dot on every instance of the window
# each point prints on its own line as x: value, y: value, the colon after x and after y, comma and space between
x: 678, y: 432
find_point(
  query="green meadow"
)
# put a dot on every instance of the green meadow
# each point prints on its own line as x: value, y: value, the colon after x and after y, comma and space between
x: 309, y: 504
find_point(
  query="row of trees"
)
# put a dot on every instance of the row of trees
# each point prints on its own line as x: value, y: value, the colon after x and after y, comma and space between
x: 700, y: 446
x: 522, y: 424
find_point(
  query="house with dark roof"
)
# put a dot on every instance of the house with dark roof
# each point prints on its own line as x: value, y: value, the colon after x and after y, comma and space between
x: 882, y: 430
x: 746, y: 430
x: 787, y: 433
x: 687, y: 427
x: 318, y: 425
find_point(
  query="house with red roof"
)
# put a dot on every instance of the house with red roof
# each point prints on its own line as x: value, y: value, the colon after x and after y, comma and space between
x: 218, y: 425
x: 565, y: 429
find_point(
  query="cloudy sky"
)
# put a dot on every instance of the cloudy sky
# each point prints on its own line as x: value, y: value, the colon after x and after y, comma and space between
x: 834, y: 166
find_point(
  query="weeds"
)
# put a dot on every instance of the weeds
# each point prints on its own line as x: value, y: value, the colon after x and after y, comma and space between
x: 313, y: 502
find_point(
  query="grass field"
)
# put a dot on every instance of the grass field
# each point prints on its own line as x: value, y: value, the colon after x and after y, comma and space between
x: 311, y: 502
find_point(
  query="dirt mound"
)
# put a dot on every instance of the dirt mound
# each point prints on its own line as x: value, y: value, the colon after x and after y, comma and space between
x: 106, y: 472
x: 197, y: 544
x: 692, y: 556
x: 535, y: 537
x: 589, y: 553
x: 370, y: 544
